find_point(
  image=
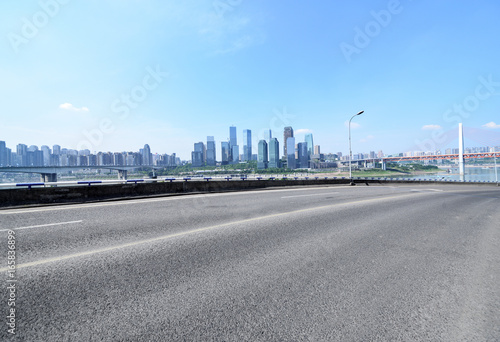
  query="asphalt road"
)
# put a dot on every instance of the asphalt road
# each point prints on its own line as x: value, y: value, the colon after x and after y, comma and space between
x: 332, y: 263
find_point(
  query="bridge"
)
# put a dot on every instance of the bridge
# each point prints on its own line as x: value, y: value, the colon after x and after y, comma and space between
x: 384, y: 160
x: 49, y: 173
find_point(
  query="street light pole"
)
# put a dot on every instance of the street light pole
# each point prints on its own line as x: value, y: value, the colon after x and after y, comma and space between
x: 350, y: 150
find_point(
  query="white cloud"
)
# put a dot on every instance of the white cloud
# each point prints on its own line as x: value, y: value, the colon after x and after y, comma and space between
x: 353, y: 124
x: 369, y: 137
x: 239, y: 44
x: 228, y: 32
x: 69, y: 106
x: 431, y: 127
x: 303, y: 131
x: 491, y: 125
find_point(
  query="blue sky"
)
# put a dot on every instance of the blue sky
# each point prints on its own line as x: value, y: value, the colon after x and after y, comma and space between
x: 112, y: 75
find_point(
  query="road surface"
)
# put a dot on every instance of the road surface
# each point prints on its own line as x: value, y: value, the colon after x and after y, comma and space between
x: 329, y: 263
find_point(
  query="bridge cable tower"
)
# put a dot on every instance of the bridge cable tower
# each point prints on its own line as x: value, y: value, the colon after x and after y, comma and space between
x: 461, y: 161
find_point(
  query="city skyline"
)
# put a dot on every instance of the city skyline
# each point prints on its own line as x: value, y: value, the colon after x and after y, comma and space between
x: 205, y: 154
x: 169, y: 73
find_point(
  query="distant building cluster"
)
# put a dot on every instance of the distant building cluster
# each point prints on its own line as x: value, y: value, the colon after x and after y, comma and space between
x: 477, y: 149
x: 361, y: 156
x: 57, y: 156
x: 295, y: 156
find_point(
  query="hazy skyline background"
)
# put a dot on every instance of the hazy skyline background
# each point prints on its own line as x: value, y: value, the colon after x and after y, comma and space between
x: 114, y: 75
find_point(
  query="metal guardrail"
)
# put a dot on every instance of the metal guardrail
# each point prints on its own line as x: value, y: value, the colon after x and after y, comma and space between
x: 227, y: 178
x: 89, y: 183
x: 29, y: 185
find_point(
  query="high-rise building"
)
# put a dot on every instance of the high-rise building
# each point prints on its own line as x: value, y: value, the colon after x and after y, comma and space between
x: 232, y: 136
x: 268, y: 135
x: 225, y: 152
x: 235, y: 154
x: 3, y: 154
x: 262, y: 159
x: 290, y: 148
x: 232, y: 142
x: 34, y: 158
x: 147, y: 157
x: 310, y: 145
x: 247, y: 145
x: 56, y: 149
x: 196, y: 159
x: 287, y: 133
x: 302, y: 155
x: 55, y: 160
x: 197, y: 156
x: 82, y: 161
x: 117, y: 159
x: 46, y: 155
x: 317, y: 149
x: 274, y: 153
x: 9, y: 157
x: 211, y: 151
x: 22, y: 150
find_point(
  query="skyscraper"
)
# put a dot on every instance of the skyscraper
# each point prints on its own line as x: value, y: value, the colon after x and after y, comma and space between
x: 310, y: 145
x: 196, y: 159
x: 46, y: 155
x: 211, y: 151
x: 232, y: 143
x: 317, y: 149
x: 268, y: 135
x: 303, y: 156
x: 262, y: 159
x: 197, y: 156
x: 56, y: 149
x: 232, y: 136
x: 287, y: 133
x: 235, y: 153
x: 290, y: 148
x: 22, y: 151
x: 247, y: 145
x: 274, y: 153
x: 225, y: 152
x: 3, y: 154
x: 147, y: 157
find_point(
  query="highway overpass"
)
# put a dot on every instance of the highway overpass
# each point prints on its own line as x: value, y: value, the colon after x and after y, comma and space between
x: 49, y: 173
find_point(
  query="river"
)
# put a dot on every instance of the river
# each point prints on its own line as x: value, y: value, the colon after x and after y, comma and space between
x: 474, y: 173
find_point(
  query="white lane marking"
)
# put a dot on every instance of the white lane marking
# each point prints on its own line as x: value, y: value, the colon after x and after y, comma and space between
x: 421, y: 190
x: 42, y: 225
x: 328, y: 193
x: 162, y: 199
x: 189, y: 232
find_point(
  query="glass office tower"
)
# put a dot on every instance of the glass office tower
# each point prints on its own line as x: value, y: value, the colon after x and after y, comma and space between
x: 262, y: 160
x: 290, y: 157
